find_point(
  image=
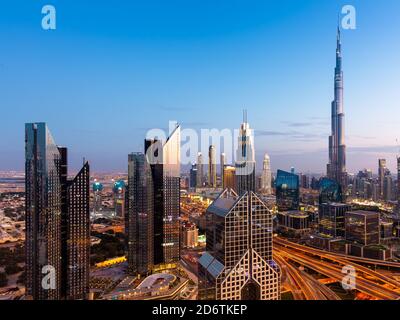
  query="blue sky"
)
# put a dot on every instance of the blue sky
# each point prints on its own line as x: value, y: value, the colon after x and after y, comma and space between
x: 113, y: 70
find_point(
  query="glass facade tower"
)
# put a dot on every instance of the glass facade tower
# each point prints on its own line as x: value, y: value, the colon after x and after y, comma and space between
x: 140, y: 215
x: 57, y: 220
x: 287, y: 191
x: 238, y: 263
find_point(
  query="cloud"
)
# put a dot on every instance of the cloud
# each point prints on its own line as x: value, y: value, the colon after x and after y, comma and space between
x: 374, y: 149
x: 293, y: 135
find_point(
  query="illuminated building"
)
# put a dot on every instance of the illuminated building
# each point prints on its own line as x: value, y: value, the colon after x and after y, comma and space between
x: 97, y: 189
x: 140, y: 215
x: 190, y: 235
x: 238, y: 262
x: 164, y: 159
x: 245, y: 159
x: 362, y: 227
x: 222, y: 166
x: 212, y: 167
x: 336, y: 168
x: 229, y: 177
x: 119, y: 190
x: 295, y: 223
x: 200, y: 173
x: 57, y: 219
x: 266, y: 177
x: 398, y: 187
x: 381, y: 174
x: 77, y: 241
x: 332, y: 219
x: 287, y: 191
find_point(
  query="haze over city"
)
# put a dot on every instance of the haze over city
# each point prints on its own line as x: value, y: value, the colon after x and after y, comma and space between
x: 109, y: 73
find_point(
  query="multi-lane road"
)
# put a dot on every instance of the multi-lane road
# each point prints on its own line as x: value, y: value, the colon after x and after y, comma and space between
x: 375, y: 284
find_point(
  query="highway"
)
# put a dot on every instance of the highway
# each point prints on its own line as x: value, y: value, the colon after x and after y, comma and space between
x: 369, y: 282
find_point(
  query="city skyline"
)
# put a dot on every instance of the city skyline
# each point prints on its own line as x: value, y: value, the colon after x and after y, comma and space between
x: 293, y: 137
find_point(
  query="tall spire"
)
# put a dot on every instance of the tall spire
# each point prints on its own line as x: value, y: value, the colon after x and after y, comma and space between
x: 337, y: 148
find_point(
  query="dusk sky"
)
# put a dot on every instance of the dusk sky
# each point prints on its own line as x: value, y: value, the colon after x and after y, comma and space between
x: 114, y: 69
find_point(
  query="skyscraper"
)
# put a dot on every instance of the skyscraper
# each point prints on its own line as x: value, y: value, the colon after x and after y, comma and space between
x: 245, y: 159
x: 398, y: 186
x: 57, y: 220
x: 266, y: 176
x: 193, y: 176
x: 43, y: 211
x: 381, y: 176
x: 329, y: 191
x: 212, y: 167
x: 287, y: 191
x: 336, y: 168
x: 77, y: 240
x: 229, y: 177
x: 200, y: 173
x: 238, y: 262
x: 222, y: 165
x: 164, y: 160
x: 140, y: 215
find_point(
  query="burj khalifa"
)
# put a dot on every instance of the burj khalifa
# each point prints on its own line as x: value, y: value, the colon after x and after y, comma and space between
x: 336, y: 168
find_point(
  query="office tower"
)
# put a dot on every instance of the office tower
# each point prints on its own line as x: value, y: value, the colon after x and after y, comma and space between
x: 337, y: 148
x: 43, y: 210
x: 245, y: 159
x: 304, y: 181
x: 97, y: 204
x: 57, y: 220
x: 287, y: 191
x: 381, y: 176
x: 119, y: 190
x: 140, y: 215
x: 375, y: 191
x: 222, y: 165
x: 398, y: 186
x: 200, y: 173
x: 238, y: 262
x: 229, y: 177
x: 314, y: 183
x: 77, y: 240
x: 193, y: 176
x: 332, y: 219
x: 329, y: 191
x: 212, y: 167
x: 164, y: 160
x: 190, y: 235
x: 362, y: 227
x: 266, y: 178
x: 387, y: 187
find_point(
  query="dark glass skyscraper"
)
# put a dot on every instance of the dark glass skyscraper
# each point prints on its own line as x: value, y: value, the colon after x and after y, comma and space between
x: 57, y: 220
x: 77, y: 240
x: 164, y: 160
x: 140, y: 215
x: 329, y: 191
x: 287, y: 191
x: 336, y: 168
x: 43, y: 211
